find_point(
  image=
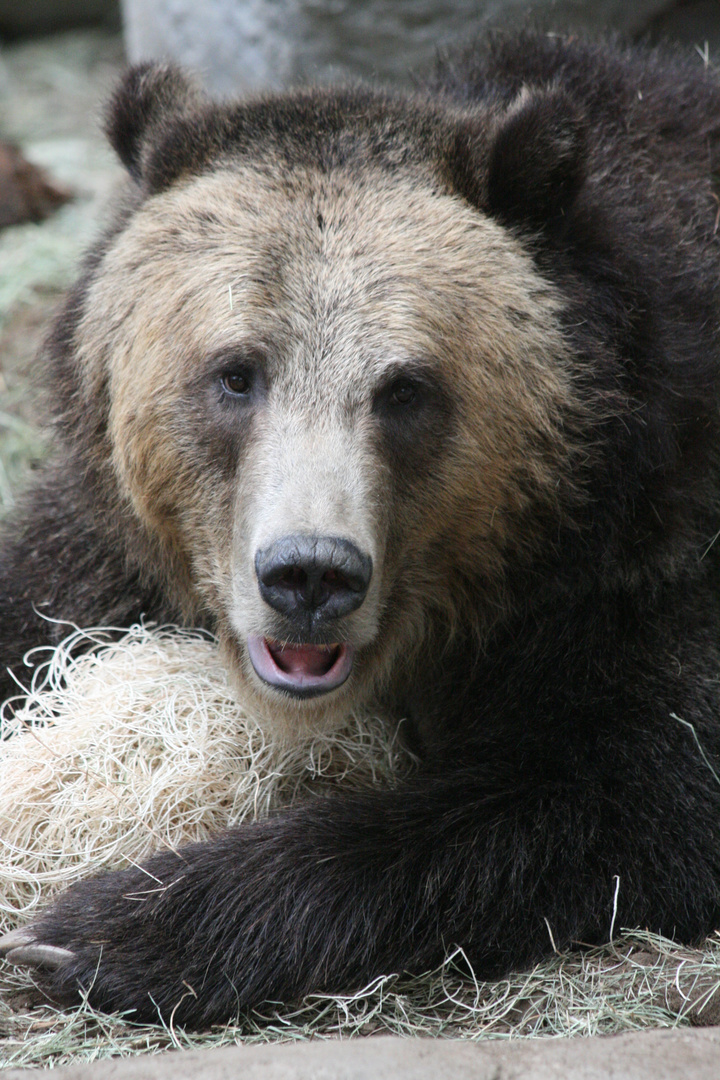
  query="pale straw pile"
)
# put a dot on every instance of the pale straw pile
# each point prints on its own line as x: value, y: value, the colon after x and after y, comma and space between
x: 139, y: 744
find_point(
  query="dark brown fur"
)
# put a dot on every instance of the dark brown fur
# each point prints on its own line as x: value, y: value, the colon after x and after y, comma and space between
x: 532, y: 245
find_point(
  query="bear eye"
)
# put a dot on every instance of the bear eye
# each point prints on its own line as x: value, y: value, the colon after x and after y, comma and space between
x: 403, y: 392
x: 236, y: 383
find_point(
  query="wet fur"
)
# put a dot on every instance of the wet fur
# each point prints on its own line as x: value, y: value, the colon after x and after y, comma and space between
x: 539, y: 229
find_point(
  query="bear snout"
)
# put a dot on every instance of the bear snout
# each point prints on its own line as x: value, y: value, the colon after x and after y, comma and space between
x: 312, y: 581
x: 321, y: 578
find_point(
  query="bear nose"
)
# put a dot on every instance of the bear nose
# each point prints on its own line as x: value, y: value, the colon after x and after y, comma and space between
x: 325, y: 576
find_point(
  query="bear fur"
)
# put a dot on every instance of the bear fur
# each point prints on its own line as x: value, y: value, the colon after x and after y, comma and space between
x: 414, y: 401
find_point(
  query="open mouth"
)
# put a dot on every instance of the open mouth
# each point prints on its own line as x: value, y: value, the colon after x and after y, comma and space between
x: 301, y: 670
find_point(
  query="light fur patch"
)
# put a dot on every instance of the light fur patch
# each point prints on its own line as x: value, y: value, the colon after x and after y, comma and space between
x: 339, y: 279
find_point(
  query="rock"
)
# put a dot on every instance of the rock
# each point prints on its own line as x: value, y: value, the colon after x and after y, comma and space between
x: 45, y: 16
x: 255, y: 43
x: 692, y: 22
x: 648, y: 1055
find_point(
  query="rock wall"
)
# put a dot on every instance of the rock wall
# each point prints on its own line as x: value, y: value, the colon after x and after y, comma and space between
x: 257, y: 43
x: 24, y: 17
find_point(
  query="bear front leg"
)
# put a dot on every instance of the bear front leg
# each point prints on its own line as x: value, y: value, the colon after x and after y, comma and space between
x: 334, y: 893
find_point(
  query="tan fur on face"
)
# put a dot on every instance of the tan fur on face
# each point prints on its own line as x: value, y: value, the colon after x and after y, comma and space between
x: 339, y: 279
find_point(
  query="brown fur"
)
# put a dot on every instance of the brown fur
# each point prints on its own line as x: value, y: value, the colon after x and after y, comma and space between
x: 428, y: 385
x: 396, y: 274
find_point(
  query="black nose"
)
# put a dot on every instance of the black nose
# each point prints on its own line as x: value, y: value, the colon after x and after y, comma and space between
x: 319, y: 575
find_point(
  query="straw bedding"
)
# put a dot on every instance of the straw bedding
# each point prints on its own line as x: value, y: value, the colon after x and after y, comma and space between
x: 140, y: 743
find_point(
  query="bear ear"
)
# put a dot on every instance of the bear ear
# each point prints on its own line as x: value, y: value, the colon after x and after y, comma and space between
x: 536, y: 163
x: 530, y: 166
x: 148, y: 99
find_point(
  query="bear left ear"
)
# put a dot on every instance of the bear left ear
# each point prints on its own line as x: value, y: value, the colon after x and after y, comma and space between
x: 530, y: 167
x: 536, y: 163
x: 148, y: 100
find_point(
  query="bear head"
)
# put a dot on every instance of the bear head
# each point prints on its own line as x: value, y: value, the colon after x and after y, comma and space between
x: 334, y: 391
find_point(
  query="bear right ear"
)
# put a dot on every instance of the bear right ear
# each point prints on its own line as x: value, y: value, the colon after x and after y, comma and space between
x: 150, y: 96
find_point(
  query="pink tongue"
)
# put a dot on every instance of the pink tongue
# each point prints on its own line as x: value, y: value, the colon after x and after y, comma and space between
x: 304, y: 659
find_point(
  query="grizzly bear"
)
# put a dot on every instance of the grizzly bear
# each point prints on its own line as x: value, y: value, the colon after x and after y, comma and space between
x: 414, y: 400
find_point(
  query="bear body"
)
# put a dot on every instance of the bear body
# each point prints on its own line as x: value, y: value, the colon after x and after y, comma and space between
x: 413, y: 400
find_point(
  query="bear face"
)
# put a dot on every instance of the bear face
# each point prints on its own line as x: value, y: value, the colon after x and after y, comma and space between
x: 333, y: 352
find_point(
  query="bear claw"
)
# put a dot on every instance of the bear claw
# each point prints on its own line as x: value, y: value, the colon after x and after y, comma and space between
x: 21, y: 947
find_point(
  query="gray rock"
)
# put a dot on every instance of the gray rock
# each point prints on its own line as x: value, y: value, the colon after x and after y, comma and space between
x: 692, y: 22
x: 44, y: 16
x: 648, y: 1055
x: 256, y: 43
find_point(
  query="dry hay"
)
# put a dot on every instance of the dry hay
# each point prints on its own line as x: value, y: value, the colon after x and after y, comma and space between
x: 140, y: 743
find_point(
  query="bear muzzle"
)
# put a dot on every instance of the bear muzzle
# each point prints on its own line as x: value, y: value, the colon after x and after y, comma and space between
x: 313, y: 582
